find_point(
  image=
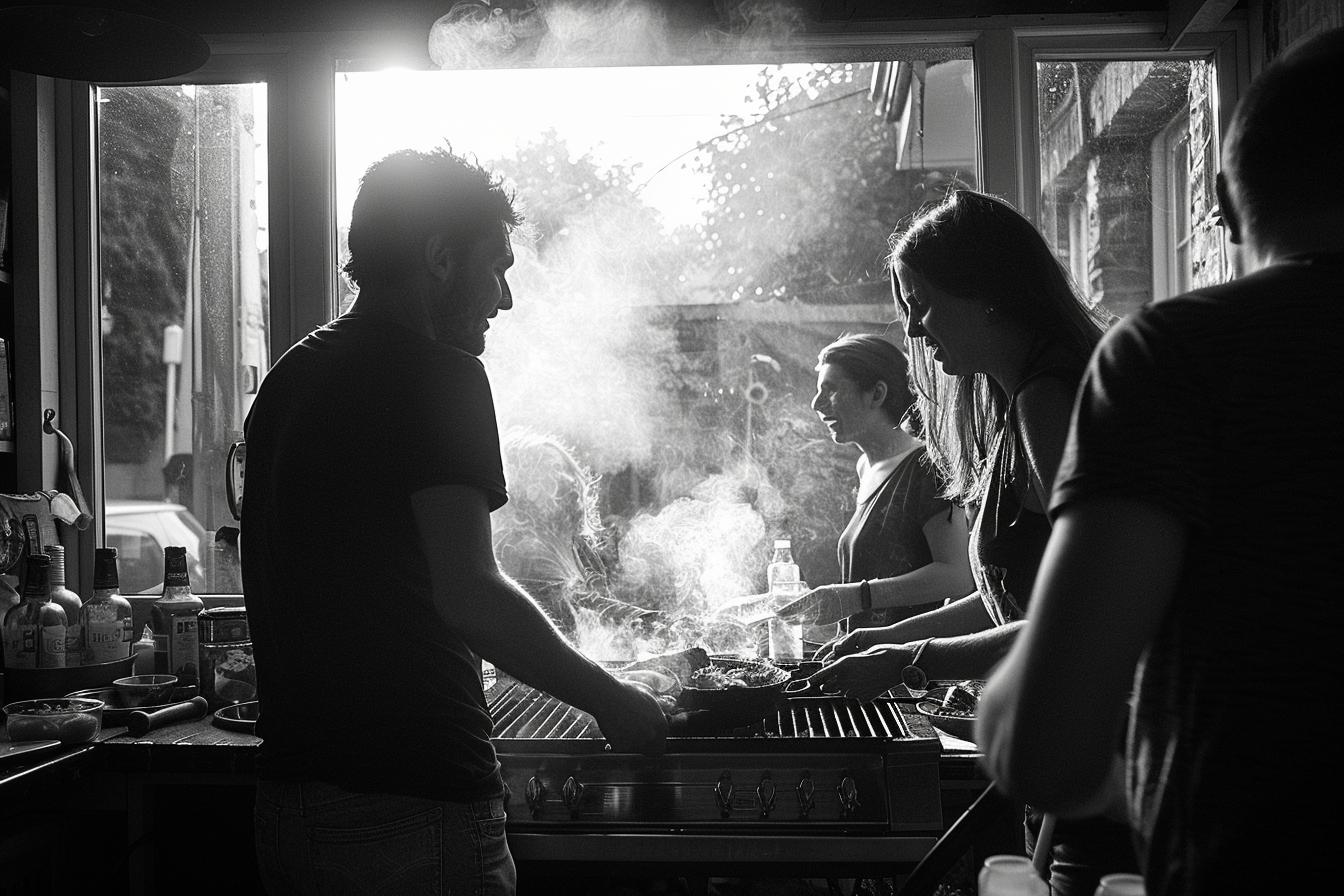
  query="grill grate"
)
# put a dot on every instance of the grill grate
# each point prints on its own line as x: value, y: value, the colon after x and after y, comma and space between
x: 523, y: 712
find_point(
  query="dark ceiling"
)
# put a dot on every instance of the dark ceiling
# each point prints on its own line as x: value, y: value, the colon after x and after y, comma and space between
x: 237, y: 16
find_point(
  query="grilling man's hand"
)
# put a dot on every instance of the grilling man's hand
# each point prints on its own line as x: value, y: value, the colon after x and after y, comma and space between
x: 633, y: 721
x: 863, y: 676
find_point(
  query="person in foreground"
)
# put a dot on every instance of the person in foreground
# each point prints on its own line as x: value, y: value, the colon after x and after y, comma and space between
x: 986, y: 301
x: 1196, y: 536
x: 904, y: 550
x: 372, y: 589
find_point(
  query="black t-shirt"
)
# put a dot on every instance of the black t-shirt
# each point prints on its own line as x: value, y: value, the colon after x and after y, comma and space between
x: 362, y: 683
x: 1225, y: 408
x: 885, y: 537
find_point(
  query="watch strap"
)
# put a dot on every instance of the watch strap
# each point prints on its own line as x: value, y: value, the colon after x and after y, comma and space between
x: 913, y: 677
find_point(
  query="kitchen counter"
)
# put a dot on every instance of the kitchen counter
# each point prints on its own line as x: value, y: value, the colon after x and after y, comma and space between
x: 138, y: 798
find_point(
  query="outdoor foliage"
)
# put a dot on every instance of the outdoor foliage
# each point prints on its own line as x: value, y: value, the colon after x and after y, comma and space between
x: 143, y: 260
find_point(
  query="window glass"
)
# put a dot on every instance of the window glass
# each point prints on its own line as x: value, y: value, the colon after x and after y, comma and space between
x: 1128, y: 160
x: 182, y: 218
x: 701, y: 233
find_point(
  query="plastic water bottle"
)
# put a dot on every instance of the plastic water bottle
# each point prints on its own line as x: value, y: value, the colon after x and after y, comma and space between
x: 1011, y: 876
x: 786, y: 640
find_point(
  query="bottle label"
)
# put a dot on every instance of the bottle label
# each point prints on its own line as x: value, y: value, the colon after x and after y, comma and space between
x: 183, y: 649
x: 108, y: 640
x: 21, y: 647
x: 51, y: 647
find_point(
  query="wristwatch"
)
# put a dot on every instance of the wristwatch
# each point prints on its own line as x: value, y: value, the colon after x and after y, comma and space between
x: 913, y: 677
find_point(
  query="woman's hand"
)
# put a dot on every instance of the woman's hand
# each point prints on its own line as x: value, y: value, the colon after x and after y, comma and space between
x: 858, y: 641
x: 823, y: 606
x: 864, y: 676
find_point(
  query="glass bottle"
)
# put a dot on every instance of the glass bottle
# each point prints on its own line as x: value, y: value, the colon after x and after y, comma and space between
x: 174, y: 617
x: 786, y: 639
x: 105, y: 618
x: 35, y: 629
x: 68, y: 601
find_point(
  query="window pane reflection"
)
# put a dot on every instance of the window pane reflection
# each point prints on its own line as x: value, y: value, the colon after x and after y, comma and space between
x: 182, y: 217
x: 1128, y: 159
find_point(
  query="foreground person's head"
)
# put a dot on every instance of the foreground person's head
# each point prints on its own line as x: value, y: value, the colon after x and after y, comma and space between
x: 1280, y: 188
x: 432, y: 217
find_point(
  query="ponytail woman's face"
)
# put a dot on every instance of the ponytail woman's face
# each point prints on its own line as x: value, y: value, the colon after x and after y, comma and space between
x: 957, y: 330
x: 846, y: 410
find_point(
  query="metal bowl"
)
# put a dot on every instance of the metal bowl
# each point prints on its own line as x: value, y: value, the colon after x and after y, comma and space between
x: 35, y: 684
x: 957, y: 724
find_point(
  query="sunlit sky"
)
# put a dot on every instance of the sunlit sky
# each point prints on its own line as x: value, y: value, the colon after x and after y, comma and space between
x: 647, y: 115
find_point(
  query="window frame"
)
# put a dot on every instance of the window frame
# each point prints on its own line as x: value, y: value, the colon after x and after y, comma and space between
x: 300, y: 70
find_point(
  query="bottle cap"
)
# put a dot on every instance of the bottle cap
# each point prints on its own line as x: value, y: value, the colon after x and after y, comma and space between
x: 56, y: 572
x: 105, y: 569
x: 781, y: 543
x: 175, y: 567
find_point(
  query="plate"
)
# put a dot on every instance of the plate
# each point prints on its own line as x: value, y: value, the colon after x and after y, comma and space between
x: 239, y: 717
x: 8, y: 751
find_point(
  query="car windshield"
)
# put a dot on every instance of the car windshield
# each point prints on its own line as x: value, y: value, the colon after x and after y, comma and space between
x: 140, y: 532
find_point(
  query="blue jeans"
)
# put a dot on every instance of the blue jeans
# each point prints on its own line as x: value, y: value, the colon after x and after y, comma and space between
x: 318, y: 838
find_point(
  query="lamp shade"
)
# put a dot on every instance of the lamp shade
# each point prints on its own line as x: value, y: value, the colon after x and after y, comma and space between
x: 87, y: 43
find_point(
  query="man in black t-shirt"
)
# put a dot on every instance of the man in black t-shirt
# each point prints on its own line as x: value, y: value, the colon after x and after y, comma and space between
x: 1196, y: 525
x: 372, y: 588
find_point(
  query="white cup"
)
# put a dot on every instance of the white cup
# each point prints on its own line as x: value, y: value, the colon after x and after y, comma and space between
x: 1121, y: 885
x: 1011, y: 876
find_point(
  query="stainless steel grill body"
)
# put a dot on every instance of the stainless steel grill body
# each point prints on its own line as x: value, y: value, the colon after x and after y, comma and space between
x: 813, y: 766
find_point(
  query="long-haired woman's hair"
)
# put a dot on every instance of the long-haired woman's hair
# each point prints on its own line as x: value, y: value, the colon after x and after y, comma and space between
x: 977, y: 247
x: 868, y: 359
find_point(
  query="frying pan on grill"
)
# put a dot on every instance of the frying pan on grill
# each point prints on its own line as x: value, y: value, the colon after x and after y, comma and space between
x: 717, y: 708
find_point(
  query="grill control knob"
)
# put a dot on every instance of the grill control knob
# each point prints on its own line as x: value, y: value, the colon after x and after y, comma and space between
x: 535, y: 793
x: 723, y: 794
x: 572, y: 794
x: 806, y: 796
x: 849, y: 797
x: 765, y: 792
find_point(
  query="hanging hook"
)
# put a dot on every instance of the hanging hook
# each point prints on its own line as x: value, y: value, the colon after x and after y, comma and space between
x: 68, y: 462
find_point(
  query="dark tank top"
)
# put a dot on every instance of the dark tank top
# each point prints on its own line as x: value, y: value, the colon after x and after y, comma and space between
x: 1008, y: 539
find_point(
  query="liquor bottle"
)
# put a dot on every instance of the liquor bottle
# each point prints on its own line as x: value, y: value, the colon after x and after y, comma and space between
x: 68, y: 601
x: 35, y: 629
x: 174, y: 617
x: 786, y: 639
x: 105, y: 618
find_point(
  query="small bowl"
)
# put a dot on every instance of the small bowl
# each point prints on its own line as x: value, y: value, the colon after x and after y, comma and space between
x: 70, y: 720
x: 145, y: 690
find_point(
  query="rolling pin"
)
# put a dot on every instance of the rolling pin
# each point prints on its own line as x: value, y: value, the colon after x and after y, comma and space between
x: 140, y: 723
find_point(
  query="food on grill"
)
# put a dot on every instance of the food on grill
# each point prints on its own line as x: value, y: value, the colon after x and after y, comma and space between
x: 748, y: 676
x: 962, y: 697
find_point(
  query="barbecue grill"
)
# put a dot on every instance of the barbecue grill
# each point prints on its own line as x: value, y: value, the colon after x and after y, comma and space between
x: 819, y: 780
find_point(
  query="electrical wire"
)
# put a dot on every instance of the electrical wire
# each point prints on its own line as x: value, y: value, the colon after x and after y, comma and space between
x: 769, y: 118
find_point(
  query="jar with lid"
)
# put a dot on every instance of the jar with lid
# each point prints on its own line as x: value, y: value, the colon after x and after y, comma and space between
x: 228, y: 672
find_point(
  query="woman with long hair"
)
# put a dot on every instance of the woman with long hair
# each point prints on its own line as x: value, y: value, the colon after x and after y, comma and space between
x: 999, y: 339
x: 904, y: 550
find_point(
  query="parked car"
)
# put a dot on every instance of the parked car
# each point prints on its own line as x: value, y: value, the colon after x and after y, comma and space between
x: 140, y: 530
